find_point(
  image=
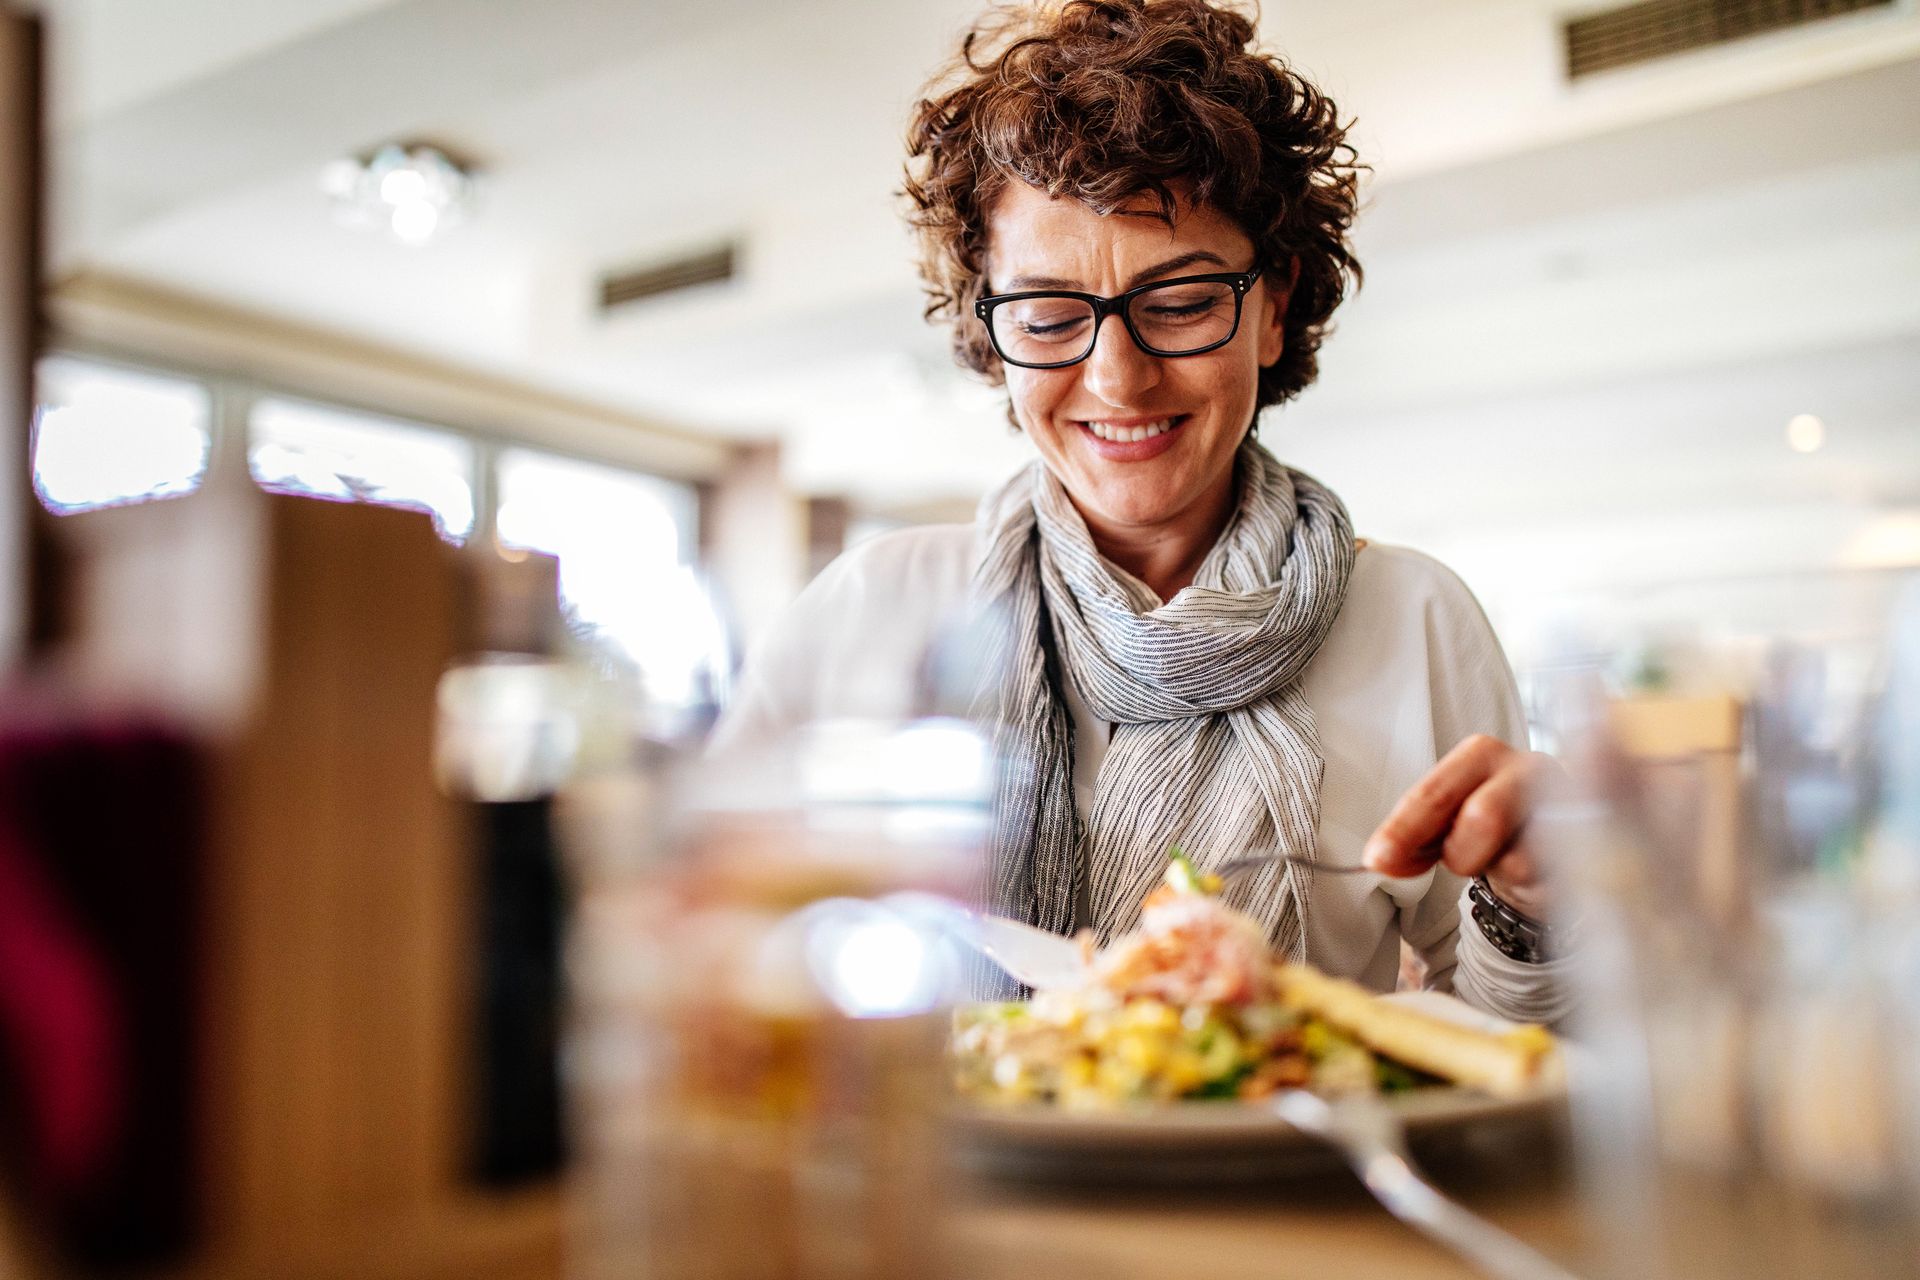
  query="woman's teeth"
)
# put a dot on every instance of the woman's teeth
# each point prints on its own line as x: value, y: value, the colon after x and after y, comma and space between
x: 1126, y: 435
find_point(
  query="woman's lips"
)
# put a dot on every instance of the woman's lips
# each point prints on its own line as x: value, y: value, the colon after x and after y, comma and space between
x: 1134, y: 450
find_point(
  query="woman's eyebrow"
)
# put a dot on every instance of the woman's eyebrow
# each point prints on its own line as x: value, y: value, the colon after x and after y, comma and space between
x: 1195, y: 258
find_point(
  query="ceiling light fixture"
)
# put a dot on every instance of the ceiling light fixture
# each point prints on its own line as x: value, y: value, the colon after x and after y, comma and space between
x: 1805, y: 433
x: 411, y: 192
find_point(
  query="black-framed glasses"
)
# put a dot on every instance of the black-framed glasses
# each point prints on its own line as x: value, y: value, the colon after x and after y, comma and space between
x: 1051, y: 329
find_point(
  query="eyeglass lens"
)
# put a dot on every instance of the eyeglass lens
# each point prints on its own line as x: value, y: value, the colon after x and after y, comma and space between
x: 1169, y: 321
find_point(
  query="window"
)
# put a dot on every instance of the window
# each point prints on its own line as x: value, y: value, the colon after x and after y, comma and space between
x: 333, y: 453
x: 104, y: 435
x: 625, y: 544
x: 625, y: 541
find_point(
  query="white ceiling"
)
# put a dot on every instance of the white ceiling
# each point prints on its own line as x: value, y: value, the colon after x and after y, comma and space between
x: 1581, y: 300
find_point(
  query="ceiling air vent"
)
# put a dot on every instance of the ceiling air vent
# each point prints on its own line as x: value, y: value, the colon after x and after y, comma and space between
x: 622, y: 288
x: 1658, y: 28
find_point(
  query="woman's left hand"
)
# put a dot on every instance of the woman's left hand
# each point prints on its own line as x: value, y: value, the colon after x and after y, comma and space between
x: 1470, y: 812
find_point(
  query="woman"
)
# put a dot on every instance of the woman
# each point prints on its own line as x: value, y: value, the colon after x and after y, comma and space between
x: 1138, y: 224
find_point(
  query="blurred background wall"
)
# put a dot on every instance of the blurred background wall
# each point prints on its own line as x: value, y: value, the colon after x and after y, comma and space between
x: 1639, y: 342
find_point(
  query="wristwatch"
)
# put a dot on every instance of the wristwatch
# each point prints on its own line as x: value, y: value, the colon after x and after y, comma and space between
x: 1516, y: 936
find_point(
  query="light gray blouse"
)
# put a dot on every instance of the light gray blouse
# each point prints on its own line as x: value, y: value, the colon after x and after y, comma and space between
x: 1410, y: 668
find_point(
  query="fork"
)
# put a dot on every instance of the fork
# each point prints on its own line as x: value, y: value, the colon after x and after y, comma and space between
x: 1370, y: 1135
x: 1234, y: 866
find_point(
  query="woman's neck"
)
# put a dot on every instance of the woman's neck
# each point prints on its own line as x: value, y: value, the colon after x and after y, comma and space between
x: 1166, y: 556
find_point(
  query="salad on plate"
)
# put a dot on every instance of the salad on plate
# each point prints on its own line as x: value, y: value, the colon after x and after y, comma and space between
x: 1194, y: 1005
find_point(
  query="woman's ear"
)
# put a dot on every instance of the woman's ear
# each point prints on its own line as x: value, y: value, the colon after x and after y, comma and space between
x: 1273, y: 314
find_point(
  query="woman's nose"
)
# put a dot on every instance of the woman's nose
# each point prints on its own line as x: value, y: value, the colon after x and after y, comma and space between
x: 1117, y: 370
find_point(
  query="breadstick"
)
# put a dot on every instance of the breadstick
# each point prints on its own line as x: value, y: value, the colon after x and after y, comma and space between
x: 1505, y: 1064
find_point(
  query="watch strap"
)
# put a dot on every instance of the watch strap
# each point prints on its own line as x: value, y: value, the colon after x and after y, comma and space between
x: 1512, y: 934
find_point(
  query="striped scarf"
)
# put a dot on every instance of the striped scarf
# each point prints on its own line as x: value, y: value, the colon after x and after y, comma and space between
x: 1214, y: 746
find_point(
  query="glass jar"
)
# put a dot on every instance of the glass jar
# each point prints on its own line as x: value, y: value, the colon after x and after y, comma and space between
x: 760, y: 1015
x: 1743, y: 888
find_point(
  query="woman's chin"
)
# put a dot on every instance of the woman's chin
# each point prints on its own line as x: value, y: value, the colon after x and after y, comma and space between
x: 1125, y: 506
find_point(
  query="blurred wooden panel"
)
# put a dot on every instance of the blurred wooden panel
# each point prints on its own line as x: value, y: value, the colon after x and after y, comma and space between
x: 20, y: 174
x: 19, y: 251
x: 1686, y: 753
x: 828, y: 520
x: 338, y: 1030
x: 753, y: 542
x: 1659, y: 726
x: 345, y: 871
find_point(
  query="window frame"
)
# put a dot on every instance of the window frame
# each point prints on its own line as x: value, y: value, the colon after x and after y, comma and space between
x: 232, y: 396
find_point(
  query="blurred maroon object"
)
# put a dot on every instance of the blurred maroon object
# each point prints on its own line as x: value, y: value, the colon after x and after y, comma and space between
x: 100, y: 841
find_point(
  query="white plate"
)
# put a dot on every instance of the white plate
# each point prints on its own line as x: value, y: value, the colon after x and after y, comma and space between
x: 1227, y: 1139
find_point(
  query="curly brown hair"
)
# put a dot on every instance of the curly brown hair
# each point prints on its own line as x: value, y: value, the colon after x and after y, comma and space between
x: 1111, y: 100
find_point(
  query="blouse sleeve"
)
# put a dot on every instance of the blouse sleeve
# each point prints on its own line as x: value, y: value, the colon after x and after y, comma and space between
x: 1473, y: 692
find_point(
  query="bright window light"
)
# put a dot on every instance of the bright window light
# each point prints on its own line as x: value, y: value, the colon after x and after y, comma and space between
x: 104, y: 435
x: 333, y: 453
x: 625, y: 546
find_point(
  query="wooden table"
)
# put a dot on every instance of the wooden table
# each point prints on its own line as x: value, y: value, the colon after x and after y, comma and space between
x: 1325, y: 1227
x: 1311, y: 1224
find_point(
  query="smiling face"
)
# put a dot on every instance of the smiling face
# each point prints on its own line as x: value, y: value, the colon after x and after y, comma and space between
x: 1143, y: 444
